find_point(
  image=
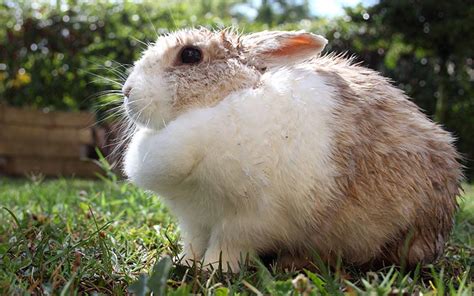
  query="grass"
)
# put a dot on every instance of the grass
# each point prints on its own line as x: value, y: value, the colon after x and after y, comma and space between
x: 106, y: 237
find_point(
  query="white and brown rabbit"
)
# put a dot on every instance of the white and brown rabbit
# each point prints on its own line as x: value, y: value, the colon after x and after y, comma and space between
x: 258, y: 145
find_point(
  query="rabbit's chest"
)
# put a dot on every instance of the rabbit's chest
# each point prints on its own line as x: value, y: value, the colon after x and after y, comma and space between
x: 263, y: 149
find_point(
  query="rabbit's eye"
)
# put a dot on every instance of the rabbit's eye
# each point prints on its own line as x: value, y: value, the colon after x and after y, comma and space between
x: 191, y: 55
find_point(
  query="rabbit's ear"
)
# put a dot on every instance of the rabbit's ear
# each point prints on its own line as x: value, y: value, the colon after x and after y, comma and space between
x: 277, y: 48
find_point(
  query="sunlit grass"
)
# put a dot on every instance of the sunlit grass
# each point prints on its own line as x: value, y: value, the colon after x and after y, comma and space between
x: 74, y: 236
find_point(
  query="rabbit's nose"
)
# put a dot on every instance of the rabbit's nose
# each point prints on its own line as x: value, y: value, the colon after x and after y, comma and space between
x: 126, y: 91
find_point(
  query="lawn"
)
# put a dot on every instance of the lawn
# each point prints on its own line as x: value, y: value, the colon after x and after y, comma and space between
x: 75, y: 236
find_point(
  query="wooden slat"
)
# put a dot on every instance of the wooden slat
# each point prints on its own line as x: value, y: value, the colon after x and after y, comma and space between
x: 49, y: 167
x: 46, y: 119
x: 41, y: 149
x: 43, y: 134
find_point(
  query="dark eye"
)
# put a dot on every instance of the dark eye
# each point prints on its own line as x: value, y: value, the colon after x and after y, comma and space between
x: 191, y: 55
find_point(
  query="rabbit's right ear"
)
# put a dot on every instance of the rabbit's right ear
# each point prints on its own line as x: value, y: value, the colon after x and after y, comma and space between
x: 278, y: 48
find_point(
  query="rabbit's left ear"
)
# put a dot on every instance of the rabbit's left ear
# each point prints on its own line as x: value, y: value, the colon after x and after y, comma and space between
x: 277, y: 48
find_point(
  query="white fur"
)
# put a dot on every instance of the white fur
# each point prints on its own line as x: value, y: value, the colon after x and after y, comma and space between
x: 240, y: 176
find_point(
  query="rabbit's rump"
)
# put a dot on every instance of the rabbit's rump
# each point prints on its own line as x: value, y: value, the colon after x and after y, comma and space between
x: 324, y: 157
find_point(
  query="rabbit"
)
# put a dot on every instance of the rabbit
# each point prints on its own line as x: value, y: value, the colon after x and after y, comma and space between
x: 259, y: 144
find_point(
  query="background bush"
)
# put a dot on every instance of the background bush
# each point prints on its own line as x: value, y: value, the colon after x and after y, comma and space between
x: 58, y: 56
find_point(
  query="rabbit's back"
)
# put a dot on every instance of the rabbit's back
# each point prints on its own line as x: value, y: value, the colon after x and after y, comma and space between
x: 398, y: 172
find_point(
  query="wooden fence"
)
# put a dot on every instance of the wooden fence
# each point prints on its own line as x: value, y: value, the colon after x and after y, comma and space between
x: 50, y: 143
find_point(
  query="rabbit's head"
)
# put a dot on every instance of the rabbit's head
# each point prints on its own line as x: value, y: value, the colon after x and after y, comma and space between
x: 198, y: 68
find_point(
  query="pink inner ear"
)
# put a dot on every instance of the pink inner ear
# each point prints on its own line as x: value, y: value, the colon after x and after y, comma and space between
x: 296, y: 45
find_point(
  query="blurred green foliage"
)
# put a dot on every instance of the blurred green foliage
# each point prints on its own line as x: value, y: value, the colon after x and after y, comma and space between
x: 59, y: 54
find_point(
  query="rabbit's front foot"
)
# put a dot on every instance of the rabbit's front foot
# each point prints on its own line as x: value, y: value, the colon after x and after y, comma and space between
x: 195, y: 244
x: 229, y: 254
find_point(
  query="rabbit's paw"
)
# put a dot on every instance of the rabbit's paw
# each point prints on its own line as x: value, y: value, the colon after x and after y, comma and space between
x: 193, y: 251
x: 230, y: 258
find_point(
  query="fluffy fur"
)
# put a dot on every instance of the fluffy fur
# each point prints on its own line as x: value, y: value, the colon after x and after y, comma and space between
x: 264, y: 147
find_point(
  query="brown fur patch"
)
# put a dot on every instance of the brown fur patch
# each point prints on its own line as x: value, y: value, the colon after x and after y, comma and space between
x: 397, y: 171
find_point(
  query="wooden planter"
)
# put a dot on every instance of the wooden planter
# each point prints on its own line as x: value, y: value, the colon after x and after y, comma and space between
x: 48, y: 143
